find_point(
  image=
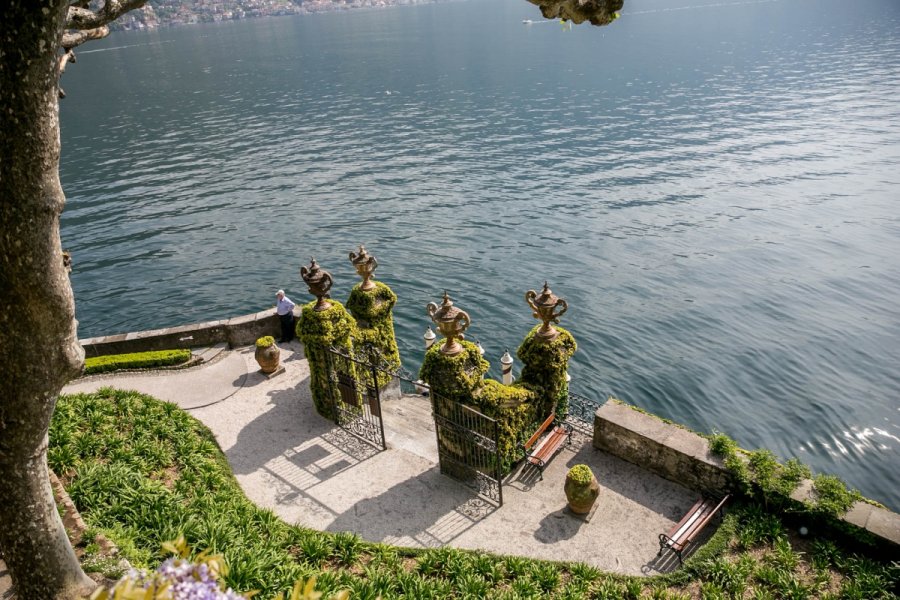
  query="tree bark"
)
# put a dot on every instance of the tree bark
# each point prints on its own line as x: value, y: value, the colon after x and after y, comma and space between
x: 39, y: 348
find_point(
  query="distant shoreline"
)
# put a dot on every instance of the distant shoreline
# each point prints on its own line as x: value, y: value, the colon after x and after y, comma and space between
x: 148, y: 20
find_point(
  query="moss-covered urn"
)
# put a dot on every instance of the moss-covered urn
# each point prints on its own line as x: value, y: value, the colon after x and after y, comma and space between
x: 582, y: 489
x: 268, y: 355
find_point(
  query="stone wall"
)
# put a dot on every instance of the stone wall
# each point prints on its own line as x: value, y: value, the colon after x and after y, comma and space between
x: 668, y: 450
x: 684, y: 457
x: 236, y: 331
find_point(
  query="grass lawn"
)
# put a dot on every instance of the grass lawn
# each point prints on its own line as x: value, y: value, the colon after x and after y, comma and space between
x: 144, y: 472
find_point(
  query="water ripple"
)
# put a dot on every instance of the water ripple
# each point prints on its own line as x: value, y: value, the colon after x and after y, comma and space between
x: 720, y: 212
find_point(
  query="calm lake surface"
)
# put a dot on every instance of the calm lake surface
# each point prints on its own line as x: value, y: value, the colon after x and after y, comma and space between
x: 713, y: 187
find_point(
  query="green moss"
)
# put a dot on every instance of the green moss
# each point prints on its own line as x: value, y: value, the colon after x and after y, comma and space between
x: 373, y: 305
x: 513, y: 408
x: 265, y: 341
x: 454, y: 377
x: 135, y: 360
x: 580, y: 474
x: 375, y: 325
x: 330, y: 326
x: 458, y: 378
x: 544, y: 369
x: 319, y: 331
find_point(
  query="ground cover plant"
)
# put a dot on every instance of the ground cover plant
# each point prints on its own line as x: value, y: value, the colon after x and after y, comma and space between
x: 144, y: 472
x: 135, y: 360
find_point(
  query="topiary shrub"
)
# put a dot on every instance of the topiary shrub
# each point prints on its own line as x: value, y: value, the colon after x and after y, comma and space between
x: 513, y: 408
x: 544, y: 370
x: 375, y: 325
x: 454, y: 377
x: 458, y: 378
x: 319, y: 331
x: 580, y: 474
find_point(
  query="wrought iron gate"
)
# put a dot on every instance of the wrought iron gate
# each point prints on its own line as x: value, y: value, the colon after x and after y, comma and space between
x: 356, y: 396
x: 468, y: 448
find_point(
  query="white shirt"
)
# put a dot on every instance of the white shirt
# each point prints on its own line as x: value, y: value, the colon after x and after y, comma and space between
x: 284, y: 306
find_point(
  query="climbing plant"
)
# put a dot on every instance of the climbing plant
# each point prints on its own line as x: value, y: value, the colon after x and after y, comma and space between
x: 544, y: 369
x: 375, y: 325
x: 319, y: 331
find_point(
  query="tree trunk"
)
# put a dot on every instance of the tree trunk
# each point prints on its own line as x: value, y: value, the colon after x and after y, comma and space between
x: 39, y: 348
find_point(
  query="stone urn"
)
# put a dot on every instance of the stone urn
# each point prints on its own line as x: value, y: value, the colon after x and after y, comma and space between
x: 268, y: 355
x: 581, y: 489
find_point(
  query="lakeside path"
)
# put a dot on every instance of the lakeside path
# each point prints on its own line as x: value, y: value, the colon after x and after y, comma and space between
x: 308, y: 471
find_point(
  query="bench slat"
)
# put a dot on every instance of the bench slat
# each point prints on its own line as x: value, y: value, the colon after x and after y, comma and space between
x: 538, y: 451
x: 690, y: 519
x: 548, y: 446
x: 540, y: 431
x: 684, y: 532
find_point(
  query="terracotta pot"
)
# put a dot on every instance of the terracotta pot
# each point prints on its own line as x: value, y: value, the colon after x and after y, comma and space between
x: 581, y: 496
x: 268, y: 358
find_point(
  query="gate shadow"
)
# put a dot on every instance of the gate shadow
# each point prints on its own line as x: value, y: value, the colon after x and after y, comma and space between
x: 428, y: 510
x: 294, y: 449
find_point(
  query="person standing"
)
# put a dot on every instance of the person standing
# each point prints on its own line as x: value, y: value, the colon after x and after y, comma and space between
x: 285, y: 309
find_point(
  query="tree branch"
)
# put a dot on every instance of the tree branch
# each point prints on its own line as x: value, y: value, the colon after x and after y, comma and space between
x: 71, y: 39
x: 81, y: 17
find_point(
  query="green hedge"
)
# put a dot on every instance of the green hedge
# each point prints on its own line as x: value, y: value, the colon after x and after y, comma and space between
x: 135, y: 360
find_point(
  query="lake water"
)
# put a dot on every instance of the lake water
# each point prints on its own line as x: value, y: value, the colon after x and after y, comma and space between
x: 713, y: 187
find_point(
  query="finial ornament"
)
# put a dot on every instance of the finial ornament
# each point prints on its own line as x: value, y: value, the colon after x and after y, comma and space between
x: 544, y: 307
x: 365, y: 264
x: 319, y: 282
x: 451, y: 322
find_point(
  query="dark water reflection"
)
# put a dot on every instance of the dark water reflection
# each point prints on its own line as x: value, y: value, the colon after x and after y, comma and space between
x: 712, y: 187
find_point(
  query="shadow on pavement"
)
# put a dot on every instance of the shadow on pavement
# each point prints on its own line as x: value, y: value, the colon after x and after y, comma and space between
x: 430, y: 510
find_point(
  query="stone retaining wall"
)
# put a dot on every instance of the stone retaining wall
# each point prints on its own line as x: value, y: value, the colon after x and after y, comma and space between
x: 237, y: 331
x: 668, y: 450
x: 684, y: 457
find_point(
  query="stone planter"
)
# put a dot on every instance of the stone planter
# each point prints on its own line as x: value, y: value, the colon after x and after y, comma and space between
x: 582, y: 489
x: 268, y: 357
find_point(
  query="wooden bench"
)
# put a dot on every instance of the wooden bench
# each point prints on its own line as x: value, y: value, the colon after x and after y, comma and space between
x: 690, y: 526
x: 539, y: 453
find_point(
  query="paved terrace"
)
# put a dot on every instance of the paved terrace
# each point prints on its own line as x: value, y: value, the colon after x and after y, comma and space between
x: 309, y: 472
x: 312, y: 473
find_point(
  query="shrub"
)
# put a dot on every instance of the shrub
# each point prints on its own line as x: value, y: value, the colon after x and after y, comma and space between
x: 832, y: 496
x: 265, y: 341
x: 135, y: 360
x: 544, y: 367
x: 580, y: 474
x: 722, y: 445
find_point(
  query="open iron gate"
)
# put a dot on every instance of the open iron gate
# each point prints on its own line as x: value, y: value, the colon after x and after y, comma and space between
x: 468, y: 447
x: 356, y: 396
